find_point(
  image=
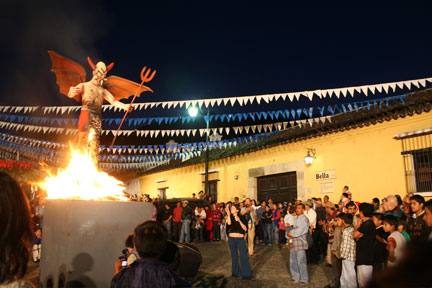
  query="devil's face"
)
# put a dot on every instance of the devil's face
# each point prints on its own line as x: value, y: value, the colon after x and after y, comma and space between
x: 100, y: 71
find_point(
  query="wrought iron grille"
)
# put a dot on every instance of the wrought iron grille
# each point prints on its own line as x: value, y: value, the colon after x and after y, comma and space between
x: 417, y: 158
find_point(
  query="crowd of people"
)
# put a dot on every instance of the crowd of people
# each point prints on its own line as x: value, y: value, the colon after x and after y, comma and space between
x: 364, y: 243
x: 358, y: 240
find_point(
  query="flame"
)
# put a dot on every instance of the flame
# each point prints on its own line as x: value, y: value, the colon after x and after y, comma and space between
x: 82, y: 180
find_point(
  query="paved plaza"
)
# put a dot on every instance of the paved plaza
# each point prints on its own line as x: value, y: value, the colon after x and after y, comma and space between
x: 270, y: 266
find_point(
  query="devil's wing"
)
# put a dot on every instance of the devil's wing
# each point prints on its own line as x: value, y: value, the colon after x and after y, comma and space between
x: 122, y: 88
x: 68, y: 72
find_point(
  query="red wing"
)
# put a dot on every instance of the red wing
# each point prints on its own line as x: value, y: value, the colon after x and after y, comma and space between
x: 68, y: 72
x: 122, y: 88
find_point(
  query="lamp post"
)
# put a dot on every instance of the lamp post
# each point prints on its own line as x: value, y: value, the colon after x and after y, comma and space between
x: 193, y: 112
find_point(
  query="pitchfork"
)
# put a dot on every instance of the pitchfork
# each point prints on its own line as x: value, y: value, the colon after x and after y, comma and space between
x: 145, y: 77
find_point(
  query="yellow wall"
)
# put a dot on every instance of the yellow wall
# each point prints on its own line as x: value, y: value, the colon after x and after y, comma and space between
x: 367, y: 159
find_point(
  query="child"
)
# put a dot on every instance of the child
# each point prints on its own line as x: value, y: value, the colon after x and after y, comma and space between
x: 379, y: 250
x: 336, y: 259
x: 402, y: 229
x: 395, y: 241
x: 37, y: 245
x: 348, y: 252
x: 289, y: 220
x: 282, y: 239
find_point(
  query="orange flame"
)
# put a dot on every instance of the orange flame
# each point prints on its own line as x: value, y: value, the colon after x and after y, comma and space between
x: 82, y: 180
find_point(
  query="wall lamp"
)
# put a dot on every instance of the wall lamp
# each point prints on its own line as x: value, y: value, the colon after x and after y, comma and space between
x: 310, y: 156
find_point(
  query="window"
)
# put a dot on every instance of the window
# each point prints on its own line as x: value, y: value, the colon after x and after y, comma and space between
x: 417, y: 156
x: 423, y: 170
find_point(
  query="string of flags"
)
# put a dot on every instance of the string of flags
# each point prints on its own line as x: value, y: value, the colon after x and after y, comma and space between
x: 281, y: 114
x: 344, y: 92
x: 259, y: 128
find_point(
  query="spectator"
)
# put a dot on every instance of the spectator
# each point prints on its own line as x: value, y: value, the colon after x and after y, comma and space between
x: 365, y: 238
x: 236, y: 201
x: 267, y: 222
x: 15, y: 233
x: 351, y: 208
x: 380, y: 243
x: 428, y: 216
x: 402, y: 226
x: 185, y: 234
x: 376, y: 204
x: 298, y: 246
x: 249, y: 213
x: 216, y: 218
x: 336, y: 258
x: 150, y: 240
x: 177, y: 221
x: 194, y: 196
x: 200, y: 217
x: 310, y: 214
x: 208, y: 233
x: 166, y: 217
x: 348, y: 252
x: 327, y: 203
x: 130, y: 255
x: 276, y: 213
x: 417, y: 227
x: 37, y: 245
x: 395, y: 241
x: 282, y: 228
x: 391, y: 207
x: 236, y: 229
x: 259, y: 228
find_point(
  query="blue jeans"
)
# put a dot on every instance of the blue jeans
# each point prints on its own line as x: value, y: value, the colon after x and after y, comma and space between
x: 298, y: 266
x: 185, y: 231
x: 216, y: 230
x: 238, y: 247
x: 275, y: 233
x: 268, y: 229
x: 168, y: 226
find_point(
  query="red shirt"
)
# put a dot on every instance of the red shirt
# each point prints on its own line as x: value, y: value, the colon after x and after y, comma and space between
x: 177, y: 214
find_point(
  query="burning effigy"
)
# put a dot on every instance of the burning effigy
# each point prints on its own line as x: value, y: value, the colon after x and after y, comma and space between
x: 87, y: 215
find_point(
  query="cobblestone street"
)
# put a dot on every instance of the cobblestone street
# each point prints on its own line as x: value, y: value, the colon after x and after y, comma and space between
x: 270, y: 266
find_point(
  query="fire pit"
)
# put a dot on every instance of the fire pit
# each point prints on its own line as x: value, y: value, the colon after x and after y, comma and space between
x: 82, y: 240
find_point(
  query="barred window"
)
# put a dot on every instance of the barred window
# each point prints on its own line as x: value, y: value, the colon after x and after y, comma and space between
x: 417, y: 156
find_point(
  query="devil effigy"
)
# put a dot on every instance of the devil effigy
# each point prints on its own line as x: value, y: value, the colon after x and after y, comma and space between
x: 71, y: 80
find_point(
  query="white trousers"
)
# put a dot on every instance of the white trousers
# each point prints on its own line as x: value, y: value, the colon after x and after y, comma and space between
x: 364, y: 274
x: 348, y: 278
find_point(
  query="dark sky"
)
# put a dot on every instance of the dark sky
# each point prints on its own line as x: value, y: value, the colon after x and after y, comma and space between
x: 204, y: 51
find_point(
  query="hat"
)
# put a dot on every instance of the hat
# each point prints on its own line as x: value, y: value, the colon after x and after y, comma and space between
x: 186, y: 201
x: 308, y: 203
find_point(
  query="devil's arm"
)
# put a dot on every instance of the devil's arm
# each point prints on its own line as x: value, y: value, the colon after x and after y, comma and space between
x: 110, y: 98
x: 75, y: 90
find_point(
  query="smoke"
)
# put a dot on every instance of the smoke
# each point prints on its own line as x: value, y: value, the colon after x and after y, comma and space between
x: 71, y: 28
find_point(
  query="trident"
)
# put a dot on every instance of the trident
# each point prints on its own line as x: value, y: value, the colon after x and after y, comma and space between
x: 145, y: 77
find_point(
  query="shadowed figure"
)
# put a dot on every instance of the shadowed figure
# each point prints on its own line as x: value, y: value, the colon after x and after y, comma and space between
x: 81, y: 264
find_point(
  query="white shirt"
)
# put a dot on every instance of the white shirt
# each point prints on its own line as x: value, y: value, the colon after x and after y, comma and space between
x: 312, y: 216
x: 289, y: 219
x: 202, y: 215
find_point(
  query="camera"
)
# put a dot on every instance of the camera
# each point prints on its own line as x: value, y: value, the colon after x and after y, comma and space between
x: 123, y: 258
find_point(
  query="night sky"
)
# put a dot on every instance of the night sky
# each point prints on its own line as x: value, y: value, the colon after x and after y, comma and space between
x: 221, y: 50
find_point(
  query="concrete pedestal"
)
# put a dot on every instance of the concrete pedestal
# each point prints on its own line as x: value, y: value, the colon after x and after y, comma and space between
x: 83, y: 239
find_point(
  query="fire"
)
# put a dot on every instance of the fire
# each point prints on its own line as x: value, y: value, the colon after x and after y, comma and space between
x: 82, y: 180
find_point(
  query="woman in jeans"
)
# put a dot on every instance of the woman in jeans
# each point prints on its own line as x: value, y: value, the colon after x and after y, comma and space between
x: 236, y: 230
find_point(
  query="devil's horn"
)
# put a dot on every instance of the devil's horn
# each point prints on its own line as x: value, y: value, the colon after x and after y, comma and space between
x: 90, y: 62
x: 110, y: 66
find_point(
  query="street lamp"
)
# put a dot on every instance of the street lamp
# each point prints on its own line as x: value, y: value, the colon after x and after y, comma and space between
x: 193, y: 112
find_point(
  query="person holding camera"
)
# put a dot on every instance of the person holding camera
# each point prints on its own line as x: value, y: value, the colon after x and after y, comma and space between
x: 129, y: 255
x: 151, y: 242
x: 236, y: 230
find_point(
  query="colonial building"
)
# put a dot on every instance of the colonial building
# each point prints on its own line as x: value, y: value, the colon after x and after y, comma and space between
x: 376, y: 152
